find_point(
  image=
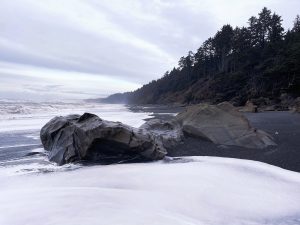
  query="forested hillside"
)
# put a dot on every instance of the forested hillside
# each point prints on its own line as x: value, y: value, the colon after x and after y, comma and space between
x: 261, y: 60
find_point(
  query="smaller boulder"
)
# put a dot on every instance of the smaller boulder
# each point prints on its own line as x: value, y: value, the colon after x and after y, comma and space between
x: 222, y: 124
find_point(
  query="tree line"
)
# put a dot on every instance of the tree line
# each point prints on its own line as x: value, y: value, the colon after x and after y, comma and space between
x: 236, y: 64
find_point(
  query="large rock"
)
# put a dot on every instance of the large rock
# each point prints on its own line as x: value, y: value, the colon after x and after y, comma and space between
x: 222, y: 124
x: 87, y: 137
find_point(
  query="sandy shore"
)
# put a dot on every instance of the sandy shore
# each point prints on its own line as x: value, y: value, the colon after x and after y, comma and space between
x: 283, y: 126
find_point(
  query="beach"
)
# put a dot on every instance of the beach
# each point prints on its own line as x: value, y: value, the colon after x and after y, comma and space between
x: 198, y: 183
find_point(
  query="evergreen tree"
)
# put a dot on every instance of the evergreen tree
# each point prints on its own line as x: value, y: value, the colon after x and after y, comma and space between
x: 276, y: 30
x: 240, y: 45
x: 296, y: 27
x: 264, y: 25
x: 254, y: 31
x: 222, y: 43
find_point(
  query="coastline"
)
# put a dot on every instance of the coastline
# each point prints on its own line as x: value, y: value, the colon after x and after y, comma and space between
x: 117, y: 190
x: 284, y: 126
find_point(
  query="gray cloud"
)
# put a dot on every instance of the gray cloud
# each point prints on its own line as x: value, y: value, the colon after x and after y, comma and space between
x: 131, y: 41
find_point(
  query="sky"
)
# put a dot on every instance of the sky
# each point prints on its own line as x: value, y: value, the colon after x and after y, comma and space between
x: 78, y: 49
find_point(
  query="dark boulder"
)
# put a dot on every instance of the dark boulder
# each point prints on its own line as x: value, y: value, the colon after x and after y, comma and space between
x: 74, y: 138
x: 222, y: 124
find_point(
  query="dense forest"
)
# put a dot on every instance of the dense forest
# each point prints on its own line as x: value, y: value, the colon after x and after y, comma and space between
x: 261, y: 60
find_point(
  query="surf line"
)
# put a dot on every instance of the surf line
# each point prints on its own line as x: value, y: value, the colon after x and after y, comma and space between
x: 15, y: 146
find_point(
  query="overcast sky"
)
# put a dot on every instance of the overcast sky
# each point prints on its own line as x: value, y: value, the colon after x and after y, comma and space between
x: 67, y: 49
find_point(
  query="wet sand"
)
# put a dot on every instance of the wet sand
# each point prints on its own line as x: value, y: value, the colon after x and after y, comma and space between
x: 284, y: 126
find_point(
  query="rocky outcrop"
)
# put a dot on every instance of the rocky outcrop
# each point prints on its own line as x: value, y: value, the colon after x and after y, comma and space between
x: 283, y: 103
x: 222, y: 124
x: 73, y: 138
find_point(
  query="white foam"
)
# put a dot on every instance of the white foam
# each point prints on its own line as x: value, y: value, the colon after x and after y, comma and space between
x: 33, y: 116
x: 15, y: 146
x: 198, y: 190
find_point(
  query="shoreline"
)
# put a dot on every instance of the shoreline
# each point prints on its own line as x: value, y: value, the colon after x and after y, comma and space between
x: 284, y: 126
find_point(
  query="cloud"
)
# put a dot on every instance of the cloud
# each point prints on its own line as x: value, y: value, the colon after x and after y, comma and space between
x: 36, y: 83
x: 134, y: 41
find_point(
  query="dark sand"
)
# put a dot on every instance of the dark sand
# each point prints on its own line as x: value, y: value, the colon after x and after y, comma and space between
x: 283, y: 126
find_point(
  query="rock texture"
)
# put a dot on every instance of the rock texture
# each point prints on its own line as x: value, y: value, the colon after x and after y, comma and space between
x: 222, y: 124
x: 87, y: 137
x: 169, y: 131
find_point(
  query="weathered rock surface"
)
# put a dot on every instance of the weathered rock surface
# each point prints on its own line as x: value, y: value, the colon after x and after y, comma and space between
x: 222, y: 124
x: 169, y: 131
x: 87, y: 137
